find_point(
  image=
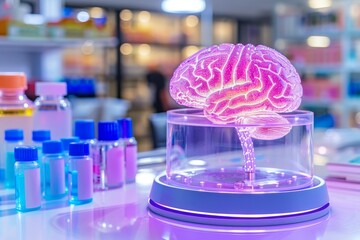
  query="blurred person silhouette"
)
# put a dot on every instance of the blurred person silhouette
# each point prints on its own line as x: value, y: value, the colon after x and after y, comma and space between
x: 157, y: 84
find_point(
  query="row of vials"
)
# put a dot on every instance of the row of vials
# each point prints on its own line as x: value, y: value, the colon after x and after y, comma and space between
x: 73, y: 167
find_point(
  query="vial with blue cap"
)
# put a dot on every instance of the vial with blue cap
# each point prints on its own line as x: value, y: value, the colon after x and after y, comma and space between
x: 53, y: 170
x: 130, y: 148
x: 80, y: 174
x: 38, y: 137
x: 85, y: 131
x: 13, y: 138
x: 109, y: 165
x: 27, y: 179
x: 65, y: 145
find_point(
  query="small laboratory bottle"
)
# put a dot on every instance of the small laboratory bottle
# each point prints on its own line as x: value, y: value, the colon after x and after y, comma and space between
x: 53, y: 170
x: 110, y: 158
x: 80, y: 174
x: 52, y: 110
x: 130, y: 148
x: 85, y: 130
x: 38, y: 137
x: 16, y: 110
x: 65, y: 145
x: 13, y: 138
x: 27, y: 179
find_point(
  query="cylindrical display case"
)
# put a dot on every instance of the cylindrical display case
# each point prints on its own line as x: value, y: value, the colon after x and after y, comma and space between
x: 247, y: 173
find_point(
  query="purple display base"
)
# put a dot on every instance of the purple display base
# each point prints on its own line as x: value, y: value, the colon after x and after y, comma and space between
x: 239, y: 208
x: 237, y: 221
x: 234, y: 180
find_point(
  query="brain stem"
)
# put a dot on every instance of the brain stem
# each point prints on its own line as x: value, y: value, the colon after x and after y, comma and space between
x: 248, y: 152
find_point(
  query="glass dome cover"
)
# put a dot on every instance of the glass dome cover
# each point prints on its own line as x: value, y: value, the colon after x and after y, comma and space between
x: 224, y: 157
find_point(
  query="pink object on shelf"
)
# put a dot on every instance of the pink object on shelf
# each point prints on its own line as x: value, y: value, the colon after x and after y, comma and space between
x: 239, y: 84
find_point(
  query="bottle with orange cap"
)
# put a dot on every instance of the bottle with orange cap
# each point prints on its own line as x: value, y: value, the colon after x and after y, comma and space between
x: 16, y: 110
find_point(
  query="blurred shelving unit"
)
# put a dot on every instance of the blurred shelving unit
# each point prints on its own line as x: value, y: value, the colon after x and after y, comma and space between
x: 322, y: 39
x: 160, y: 40
x: 75, y: 48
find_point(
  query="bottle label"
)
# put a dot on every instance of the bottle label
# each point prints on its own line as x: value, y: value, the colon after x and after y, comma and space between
x: 130, y: 163
x: 114, y: 168
x: 55, y: 174
x: 84, y: 181
x: 32, y: 188
x: 16, y: 112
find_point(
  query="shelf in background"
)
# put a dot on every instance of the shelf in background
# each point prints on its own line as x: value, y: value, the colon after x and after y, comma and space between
x: 319, y: 68
x: 40, y: 44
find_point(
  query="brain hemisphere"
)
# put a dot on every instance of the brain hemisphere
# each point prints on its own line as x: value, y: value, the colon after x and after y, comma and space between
x: 231, y: 82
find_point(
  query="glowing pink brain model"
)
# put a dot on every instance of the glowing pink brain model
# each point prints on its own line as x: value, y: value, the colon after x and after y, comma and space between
x: 240, y: 84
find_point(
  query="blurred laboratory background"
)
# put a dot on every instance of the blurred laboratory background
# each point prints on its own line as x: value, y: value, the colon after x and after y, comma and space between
x: 117, y: 56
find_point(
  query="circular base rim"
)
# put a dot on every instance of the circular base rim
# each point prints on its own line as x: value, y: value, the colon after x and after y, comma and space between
x: 256, y: 209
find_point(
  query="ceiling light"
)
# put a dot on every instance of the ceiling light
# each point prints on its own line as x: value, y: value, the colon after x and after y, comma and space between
x: 318, y: 41
x: 96, y: 12
x: 319, y: 3
x: 126, y: 15
x: 83, y: 16
x: 183, y: 6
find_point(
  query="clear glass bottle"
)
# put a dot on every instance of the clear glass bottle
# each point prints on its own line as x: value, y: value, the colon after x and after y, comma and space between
x: 110, y: 158
x: 13, y: 138
x: 53, y: 170
x: 52, y: 110
x: 65, y: 145
x: 38, y: 137
x: 80, y: 174
x: 85, y: 131
x: 130, y: 148
x: 16, y: 110
x: 27, y: 179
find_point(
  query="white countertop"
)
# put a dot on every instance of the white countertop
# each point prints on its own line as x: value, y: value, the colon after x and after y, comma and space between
x: 123, y: 214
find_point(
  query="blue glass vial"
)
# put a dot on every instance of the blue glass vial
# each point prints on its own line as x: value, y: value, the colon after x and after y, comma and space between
x: 53, y: 170
x: 85, y: 131
x: 27, y: 179
x: 13, y: 138
x: 130, y: 148
x: 65, y: 144
x: 38, y: 137
x: 109, y: 165
x: 80, y: 174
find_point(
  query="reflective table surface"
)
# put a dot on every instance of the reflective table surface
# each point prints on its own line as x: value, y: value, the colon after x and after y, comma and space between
x: 122, y: 214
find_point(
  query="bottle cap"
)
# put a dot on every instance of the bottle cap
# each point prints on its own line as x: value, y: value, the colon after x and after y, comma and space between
x: 108, y: 131
x: 12, y: 80
x: 50, y: 88
x: 51, y: 147
x: 85, y: 129
x: 14, y: 135
x: 26, y: 153
x: 126, y: 128
x: 41, y: 135
x: 79, y: 149
x: 66, y: 141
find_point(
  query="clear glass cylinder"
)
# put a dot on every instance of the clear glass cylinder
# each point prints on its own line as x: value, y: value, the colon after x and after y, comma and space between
x: 231, y: 157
